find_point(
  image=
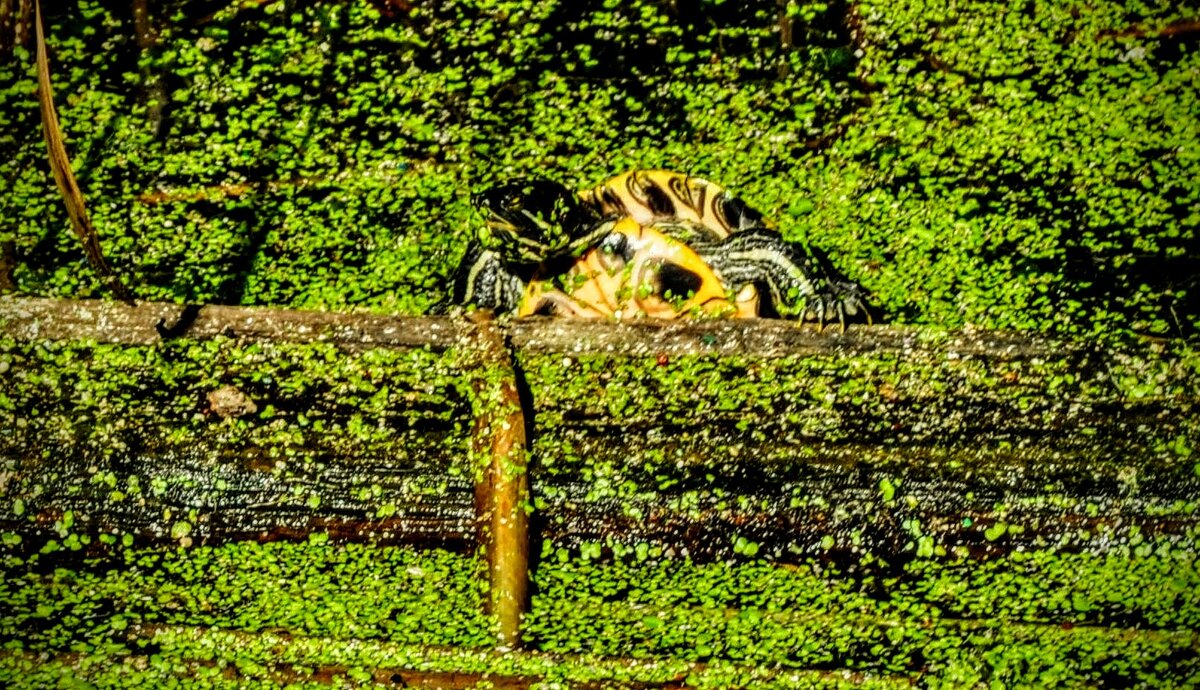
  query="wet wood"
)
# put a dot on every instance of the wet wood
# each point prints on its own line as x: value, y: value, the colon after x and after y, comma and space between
x: 880, y: 439
x: 149, y: 322
x: 1168, y: 31
x: 286, y: 645
x: 282, y: 674
x: 152, y: 322
x: 502, y: 481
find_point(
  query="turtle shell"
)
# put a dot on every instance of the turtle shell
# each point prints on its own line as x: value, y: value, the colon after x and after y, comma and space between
x: 638, y: 270
x: 647, y: 196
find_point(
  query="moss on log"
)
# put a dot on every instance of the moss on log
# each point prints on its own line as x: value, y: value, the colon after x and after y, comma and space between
x: 711, y: 439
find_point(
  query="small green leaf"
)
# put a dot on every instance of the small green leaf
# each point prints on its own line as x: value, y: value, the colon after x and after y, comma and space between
x: 888, y: 489
x: 181, y: 529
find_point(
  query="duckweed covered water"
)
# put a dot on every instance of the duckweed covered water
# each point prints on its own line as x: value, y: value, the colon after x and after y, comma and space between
x: 1033, y: 619
x: 1031, y: 169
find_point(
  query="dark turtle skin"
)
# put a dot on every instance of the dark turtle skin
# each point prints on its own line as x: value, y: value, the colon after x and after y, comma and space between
x: 537, y: 227
x: 529, y: 221
x: 529, y: 225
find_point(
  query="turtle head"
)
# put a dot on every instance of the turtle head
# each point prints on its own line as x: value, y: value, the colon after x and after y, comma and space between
x: 531, y: 220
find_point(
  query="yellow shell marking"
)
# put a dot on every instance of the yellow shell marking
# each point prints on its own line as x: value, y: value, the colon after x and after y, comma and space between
x: 650, y: 195
x: 601, y: 285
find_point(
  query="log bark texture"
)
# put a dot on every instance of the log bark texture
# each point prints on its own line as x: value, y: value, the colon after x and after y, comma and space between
x: 711, y: 439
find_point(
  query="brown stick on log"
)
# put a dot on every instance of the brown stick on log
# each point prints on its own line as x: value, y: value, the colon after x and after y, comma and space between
x: 502, y: 481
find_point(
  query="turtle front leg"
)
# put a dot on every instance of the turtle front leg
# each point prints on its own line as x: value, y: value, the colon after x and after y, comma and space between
x: 799, y: 286
x: 850, y: 299
x: 483, y: 280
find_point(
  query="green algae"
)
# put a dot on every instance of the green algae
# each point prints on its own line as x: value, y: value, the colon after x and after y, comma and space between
x: 171, y: 614
x: 1025, y: 169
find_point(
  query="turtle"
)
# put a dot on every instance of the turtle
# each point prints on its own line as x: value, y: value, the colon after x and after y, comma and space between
x: 748, y: 250
x: 537, y: 231
x: 538, y: 227
x: 636, y: 271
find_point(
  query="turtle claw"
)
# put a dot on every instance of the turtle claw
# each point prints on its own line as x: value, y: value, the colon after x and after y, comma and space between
x: 813, y: 309
x: 843, y: 299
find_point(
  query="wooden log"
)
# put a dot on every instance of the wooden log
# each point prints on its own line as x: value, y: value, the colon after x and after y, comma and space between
x: 282, y: 645
x: 715, y: 439
x: 147, y: 323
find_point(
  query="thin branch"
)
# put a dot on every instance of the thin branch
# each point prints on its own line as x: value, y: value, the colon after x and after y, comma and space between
x: 147, y: 37
x: 64, y: 177
x: 8, y: 264
x: 1162, y: 31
